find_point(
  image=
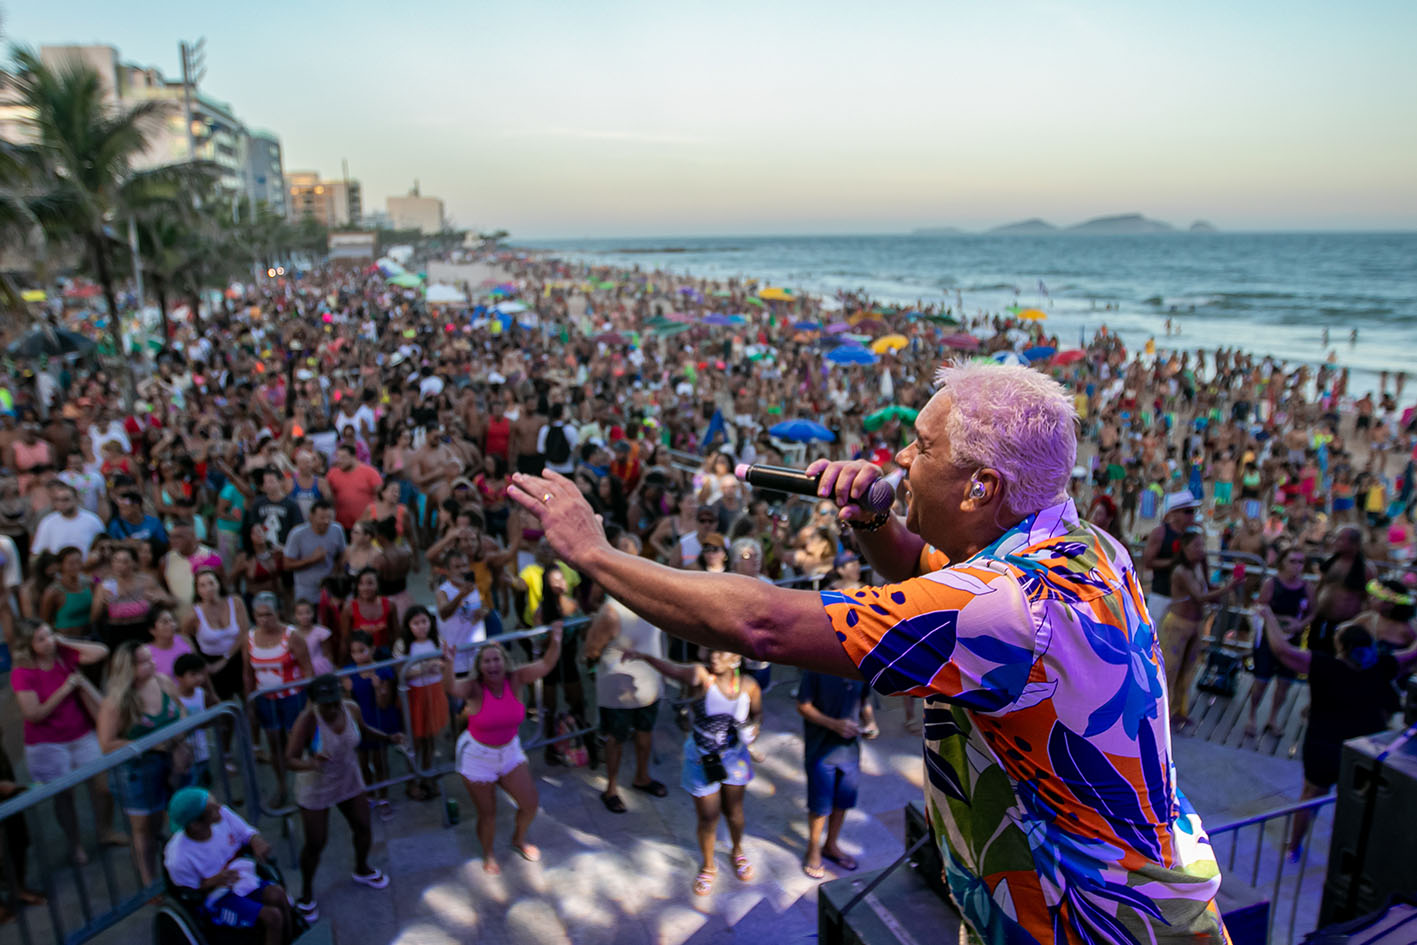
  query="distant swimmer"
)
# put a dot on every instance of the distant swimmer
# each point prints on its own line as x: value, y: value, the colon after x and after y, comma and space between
x: 1353, y: 337
x: 1325, y: 338
x: 1168, y: 327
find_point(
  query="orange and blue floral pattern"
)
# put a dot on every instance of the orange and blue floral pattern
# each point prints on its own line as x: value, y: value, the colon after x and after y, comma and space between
x: 1049, y: 778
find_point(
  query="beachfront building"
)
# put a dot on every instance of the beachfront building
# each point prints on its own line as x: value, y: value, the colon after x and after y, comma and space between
x: 331, y: 203
x: 416, y: 212
x: 215, y: 133
x: 266, y: 169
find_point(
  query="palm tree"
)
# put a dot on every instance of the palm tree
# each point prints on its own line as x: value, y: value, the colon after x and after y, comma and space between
x: 85, y: 147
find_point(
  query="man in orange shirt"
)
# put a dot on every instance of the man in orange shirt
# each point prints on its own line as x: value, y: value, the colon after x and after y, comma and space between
x: 353, y: 484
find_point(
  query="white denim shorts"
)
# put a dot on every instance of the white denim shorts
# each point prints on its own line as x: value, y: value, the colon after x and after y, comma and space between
x: 49, y: 761
x: 484, y: 764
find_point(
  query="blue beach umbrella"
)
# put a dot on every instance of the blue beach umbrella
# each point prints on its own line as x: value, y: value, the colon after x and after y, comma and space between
x: 851, y: 354
x: 1039, y: 353
x: 806, y: 326
x: 717, y: 319
x: 1009, y: 357
x: 801, y: 431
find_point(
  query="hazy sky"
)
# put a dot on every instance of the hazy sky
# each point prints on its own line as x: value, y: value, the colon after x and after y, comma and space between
x: 678, y: 118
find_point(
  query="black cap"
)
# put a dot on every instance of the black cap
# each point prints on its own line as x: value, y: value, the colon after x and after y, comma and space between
x: 325, y: 689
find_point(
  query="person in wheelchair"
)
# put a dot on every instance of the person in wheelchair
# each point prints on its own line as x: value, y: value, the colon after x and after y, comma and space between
x: 215, y: 853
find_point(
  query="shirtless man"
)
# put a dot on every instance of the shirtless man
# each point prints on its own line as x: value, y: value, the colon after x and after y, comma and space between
x: 525, y: 430
x: 1224, y: 479
x: 1343, y: 581
x: 432, y: 468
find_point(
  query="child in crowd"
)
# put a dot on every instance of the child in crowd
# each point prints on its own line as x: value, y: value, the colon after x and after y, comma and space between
x: 427, y: 703
x: 319, y: 641
x: 190, y: 672
x: 373, y: 691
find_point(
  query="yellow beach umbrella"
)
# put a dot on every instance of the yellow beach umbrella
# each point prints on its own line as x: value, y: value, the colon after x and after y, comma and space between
x: 33, y: 295
x: 776, y: 294
x: 1032, y: 315
x: 889, y: 343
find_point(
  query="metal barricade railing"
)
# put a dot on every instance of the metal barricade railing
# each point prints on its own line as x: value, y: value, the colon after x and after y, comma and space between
x: 1259, y: 822
x: 77, y: 912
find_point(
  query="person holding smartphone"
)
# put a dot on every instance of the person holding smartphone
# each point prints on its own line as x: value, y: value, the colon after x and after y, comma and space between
x: 727, y: 711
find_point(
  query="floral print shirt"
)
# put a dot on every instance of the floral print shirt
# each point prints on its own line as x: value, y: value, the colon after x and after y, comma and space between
x: 1050, y: 785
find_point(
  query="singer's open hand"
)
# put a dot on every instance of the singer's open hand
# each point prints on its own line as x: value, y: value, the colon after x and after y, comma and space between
x: 844, y: 483
x: 570, y: 524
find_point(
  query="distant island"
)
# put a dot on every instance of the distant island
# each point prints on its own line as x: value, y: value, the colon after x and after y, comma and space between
x: 1120, y: 224
x: 1032, y: 227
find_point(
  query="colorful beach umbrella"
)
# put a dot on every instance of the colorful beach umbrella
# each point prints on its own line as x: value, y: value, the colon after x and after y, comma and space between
x: 1032, y: 315
x: 1011, y: 358
x: 33, y: 295
x: 1039, y: 353
x: 405, y: 280
x: 758, y: 303
x: 801, y: 431
x: 933, y: 318
x: 80, y: 290
x: 1069, y: 357
x: 715, y: 318
x: 776, y: 294
x: 889, y: 343
x: 851, y: 354
x: 611, y: 338
x: 806, y: 326
x: 961, y: 342
x: 836, y: 328
x: 874, y: 421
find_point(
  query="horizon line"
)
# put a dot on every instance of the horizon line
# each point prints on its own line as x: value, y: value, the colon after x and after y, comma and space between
x: 1060, y: 231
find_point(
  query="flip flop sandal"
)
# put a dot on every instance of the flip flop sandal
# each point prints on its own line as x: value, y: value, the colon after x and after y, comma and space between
x: 840, y: 859
x: 613, y: 803
x: 529, y: 853
x: 742, y: 868
x: 814, y: 872
x: 703, y: 883
x: 654, y: 788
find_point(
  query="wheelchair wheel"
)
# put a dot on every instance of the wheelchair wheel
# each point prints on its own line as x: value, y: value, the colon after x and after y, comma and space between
x: 174, y: 927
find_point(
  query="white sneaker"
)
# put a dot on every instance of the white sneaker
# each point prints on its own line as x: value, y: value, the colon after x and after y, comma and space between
x: 374, y: 880
x: 309, y: 910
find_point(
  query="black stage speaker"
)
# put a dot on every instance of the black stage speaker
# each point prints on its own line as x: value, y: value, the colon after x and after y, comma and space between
x: 1374, y: 850
x: 1245, y: 910
x: 903, y: 906
x: 901, y: 910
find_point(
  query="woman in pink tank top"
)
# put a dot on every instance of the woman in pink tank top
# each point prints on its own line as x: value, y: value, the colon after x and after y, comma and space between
x: 489, y: 753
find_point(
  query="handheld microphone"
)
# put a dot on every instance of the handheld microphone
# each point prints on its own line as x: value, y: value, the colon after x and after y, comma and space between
x: 879, y: 498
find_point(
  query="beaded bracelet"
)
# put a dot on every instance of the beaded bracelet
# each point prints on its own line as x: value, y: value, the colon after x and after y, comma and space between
x: 871, y: 526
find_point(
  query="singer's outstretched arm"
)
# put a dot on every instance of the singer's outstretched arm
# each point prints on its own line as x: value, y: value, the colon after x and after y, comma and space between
x: 721, y: 611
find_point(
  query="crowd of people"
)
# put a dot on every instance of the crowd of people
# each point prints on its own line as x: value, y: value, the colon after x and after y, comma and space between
x: 299, y: 468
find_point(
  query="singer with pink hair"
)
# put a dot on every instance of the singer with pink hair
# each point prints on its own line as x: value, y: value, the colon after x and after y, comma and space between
x: 1049, y: 776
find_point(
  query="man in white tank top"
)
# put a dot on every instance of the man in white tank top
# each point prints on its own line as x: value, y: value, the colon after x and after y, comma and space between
x: 627, y: 691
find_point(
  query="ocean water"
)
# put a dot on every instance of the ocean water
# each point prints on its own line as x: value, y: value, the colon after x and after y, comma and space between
x: 1268, y: 293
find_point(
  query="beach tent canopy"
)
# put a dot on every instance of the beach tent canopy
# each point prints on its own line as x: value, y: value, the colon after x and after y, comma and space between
x: 443, y: 294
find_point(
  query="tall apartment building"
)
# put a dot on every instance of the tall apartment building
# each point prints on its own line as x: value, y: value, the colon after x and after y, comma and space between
x: 332, y: 203
x: 266, y: 170
x: 249, y: 166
